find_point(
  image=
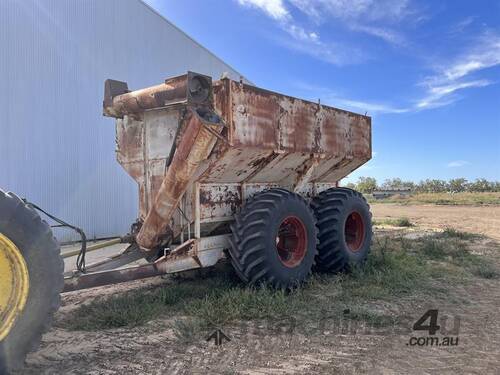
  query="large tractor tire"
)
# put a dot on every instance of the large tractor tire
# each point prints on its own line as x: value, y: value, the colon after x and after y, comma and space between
x: 31, y: 278
x: 345, y: 229
x: 274, y: 240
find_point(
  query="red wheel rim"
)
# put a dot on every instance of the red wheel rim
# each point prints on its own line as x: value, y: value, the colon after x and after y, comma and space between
x: 291, y: 241
x: 354, y: 231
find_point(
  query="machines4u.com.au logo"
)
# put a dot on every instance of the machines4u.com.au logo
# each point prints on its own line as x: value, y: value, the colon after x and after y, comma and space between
x: 432, y: 324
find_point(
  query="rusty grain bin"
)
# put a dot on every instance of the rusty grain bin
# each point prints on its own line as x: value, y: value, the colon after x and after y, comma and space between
x: 224, y: 170
x: 226, y: 165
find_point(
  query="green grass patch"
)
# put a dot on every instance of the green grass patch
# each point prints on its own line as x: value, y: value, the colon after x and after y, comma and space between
x: 390, y: 271
x: 452, y: 247
x: 137, y: 307
x: 396, y: 267
x: 485, y: 271
x: 454, y: 233
x: 239, y: 303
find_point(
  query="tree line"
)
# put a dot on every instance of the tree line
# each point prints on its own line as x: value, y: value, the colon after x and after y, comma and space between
x: 455, y: 185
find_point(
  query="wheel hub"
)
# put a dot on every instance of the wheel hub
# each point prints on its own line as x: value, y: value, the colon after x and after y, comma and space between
x: 14, y: 284
x: 354, y: 231
x: 291, y: 241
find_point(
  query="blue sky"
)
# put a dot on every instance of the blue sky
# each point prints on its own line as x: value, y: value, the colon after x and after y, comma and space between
x: 428, y: 72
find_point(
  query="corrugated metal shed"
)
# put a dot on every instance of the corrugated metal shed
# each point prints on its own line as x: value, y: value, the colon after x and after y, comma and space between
x: 56, y: 149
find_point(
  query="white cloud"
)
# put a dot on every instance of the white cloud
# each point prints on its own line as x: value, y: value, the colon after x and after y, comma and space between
x: 332, y: 98
x: 352, y: 14
x: 371, y: 17
x: 375, y: 17
x: 439, y: 96
x: 367, y: 10
x: 302, y: 40
x: 457, y: 163
x: 453, y: 77
x: 385, y: 34
x: 335, y: 99
x: 435, y: 96
x: 369, y: 108
x: 485, y: 55
x: 448, y: 89
x: 301, y: 34
x: 274, y: 8
x: 461, y: 26
x: 332, y: 53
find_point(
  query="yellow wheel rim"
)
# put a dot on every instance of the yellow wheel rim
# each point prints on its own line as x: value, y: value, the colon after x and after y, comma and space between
x: 14, y: 284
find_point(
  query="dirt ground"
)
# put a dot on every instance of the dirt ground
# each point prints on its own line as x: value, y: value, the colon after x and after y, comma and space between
x: 475, y: 219
x: 324, y: 348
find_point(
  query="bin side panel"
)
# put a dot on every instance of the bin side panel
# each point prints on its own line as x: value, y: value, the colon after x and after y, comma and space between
x: 264, y: 119
x: 291, y: 131
x: 143, y: 147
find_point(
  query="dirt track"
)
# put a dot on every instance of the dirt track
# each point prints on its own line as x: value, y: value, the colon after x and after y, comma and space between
x: 475, y: 219
x: 155, y: 349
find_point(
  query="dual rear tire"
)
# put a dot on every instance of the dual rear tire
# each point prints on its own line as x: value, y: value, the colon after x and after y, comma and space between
x: 278, y: 239
x: 344, y: 229
x: 274, y: 239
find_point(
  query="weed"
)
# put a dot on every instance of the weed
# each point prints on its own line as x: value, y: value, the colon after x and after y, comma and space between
x: 454, y: 233
x: 404, y: 222
x: 117, y: 311
x: 187, y: 330
x: 432, y: 249
x: 139, y: 306
x: 388, y: 272
x: 401, y: 222
x: 486, y: 271
x: 451, y: 246
x: 242, y: 303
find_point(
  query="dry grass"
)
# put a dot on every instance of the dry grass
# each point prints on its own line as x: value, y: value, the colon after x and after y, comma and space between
x: 444, y: 199
x: 396, y: 267
x: 402, y: 222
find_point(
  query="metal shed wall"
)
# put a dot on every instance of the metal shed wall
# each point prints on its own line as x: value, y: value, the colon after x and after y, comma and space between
x: 56, y: 148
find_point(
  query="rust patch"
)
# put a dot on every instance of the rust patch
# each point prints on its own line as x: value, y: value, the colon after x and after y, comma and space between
x: 259, y: 163
x: 217, y: 200
x: 190, y: 88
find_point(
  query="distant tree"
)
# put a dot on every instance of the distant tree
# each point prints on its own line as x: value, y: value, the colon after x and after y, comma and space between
x: 457, y: 185
x: 391, y: 183
x: 481, y: 185
x: 432, y: 186
x: 410, y: 185
x: 420, y: 187
x: 397, y: 183
x: 366, y: 184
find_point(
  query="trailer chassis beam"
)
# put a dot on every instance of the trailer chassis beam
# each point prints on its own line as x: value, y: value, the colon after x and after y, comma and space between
x: 192, y: 254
